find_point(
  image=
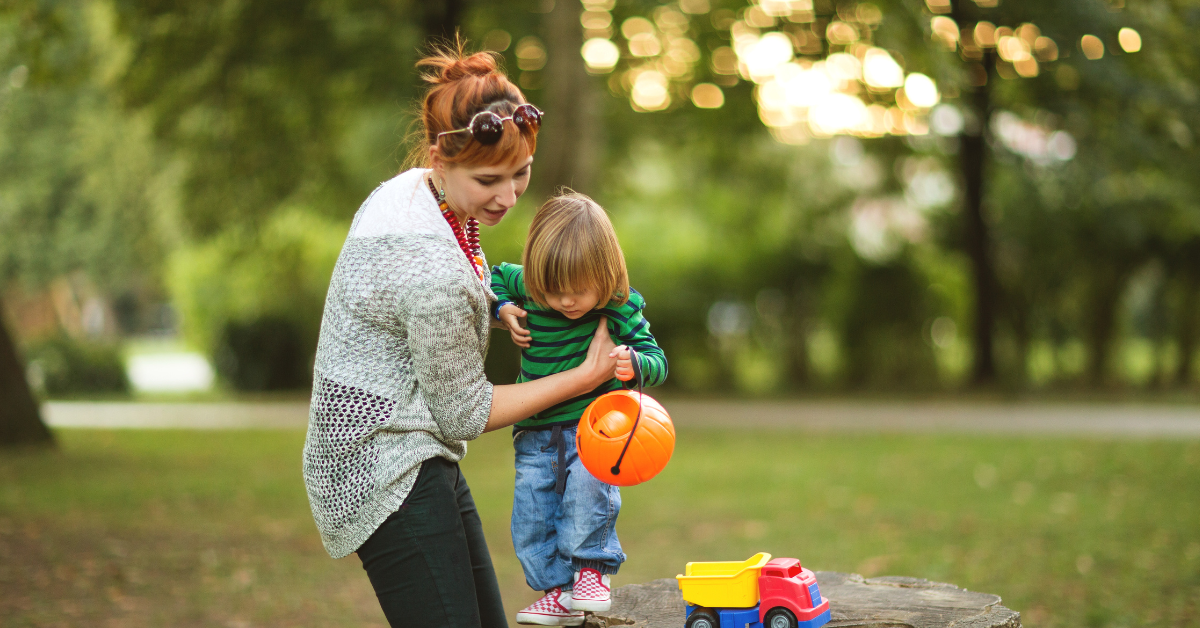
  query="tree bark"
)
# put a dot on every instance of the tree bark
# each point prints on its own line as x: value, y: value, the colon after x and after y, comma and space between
x: 568, y: 141
x: 976, y: 100
x: 853, y: 601
x: 20, y: 421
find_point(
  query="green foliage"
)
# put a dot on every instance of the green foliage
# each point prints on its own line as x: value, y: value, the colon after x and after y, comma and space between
x: 257, y: 97
x: 78, y: 188
x: 168, y: 147
x: 262, y: 290
x: 267, y: 353
x: 64, y: 366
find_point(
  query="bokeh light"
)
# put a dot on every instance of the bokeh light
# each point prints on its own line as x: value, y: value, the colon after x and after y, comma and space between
x: 921, y: 90
x: 650, y: 91
x: 595, y: 20
x: 1092, y: 47
x: 708, y: 96
x: 813, y: 75
x: 636, y: 26
x: 644, y: 45
x: 1129, y: 39
x: 600, y: 55
x: 531, y: 54
x: 945, y: 30
x: 946, y: 119
x: 1046, y: 49
x: 985, y: 34
x: 880, y: 70
x: 497, y: 40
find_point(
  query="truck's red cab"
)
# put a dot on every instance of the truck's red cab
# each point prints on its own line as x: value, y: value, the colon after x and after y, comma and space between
x: 784, y: 583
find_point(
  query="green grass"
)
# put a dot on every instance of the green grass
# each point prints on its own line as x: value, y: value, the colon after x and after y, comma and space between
x: 181, y: 528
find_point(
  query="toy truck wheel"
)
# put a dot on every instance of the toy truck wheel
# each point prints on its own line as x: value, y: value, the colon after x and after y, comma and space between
x: 779, y: 617
x: 703, y: 618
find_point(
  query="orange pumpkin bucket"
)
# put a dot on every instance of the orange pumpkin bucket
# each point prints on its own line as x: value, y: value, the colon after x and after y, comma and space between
x: 610, y: 452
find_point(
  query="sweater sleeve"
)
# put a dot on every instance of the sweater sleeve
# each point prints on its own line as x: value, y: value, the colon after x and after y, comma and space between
x: 448, y: 359
x: 633, y: 330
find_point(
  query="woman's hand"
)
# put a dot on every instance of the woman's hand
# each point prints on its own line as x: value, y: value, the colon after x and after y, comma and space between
x: 510, y: 318
x: 513, y: 402
x: 601, y: 361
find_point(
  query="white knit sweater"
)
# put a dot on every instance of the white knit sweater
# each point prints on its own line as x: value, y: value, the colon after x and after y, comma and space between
x: 399, y: 369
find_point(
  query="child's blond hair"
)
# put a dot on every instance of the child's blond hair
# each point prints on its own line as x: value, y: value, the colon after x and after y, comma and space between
x: 572, y: 246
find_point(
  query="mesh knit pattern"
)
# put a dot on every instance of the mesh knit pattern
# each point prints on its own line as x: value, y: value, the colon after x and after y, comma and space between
x: 399, y: 368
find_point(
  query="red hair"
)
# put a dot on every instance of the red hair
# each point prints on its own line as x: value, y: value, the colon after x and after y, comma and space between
x: 461, y: 86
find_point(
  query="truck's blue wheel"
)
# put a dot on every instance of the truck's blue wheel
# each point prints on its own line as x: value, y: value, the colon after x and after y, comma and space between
x: 702, y: 618
x: 779, y: 617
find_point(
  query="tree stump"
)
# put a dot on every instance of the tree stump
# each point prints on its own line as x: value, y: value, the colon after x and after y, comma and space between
x: 853, y: 601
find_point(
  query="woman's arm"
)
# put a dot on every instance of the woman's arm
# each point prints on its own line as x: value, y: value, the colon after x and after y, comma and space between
x: 515, y: 402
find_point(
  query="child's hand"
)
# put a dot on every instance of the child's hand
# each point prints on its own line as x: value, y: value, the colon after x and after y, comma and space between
x: 624, y: 368
x: 510, y: 316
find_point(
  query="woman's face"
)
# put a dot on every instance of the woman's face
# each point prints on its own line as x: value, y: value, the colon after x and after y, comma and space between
x: 484, y: 193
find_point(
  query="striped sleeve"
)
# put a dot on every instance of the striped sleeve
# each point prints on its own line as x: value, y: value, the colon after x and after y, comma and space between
x: 508, y: 285
x: 633, y: 330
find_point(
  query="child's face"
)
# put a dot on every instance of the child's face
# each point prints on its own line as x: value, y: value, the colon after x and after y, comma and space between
x: 573, y: 304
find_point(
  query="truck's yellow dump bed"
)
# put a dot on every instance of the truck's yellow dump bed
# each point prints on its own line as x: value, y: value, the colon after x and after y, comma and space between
x: 724, y: 584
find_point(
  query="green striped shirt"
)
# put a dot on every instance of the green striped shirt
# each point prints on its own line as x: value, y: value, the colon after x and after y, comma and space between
x: 558, y: 343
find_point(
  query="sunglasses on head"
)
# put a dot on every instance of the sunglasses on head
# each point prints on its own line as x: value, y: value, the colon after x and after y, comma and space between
x: 487, y: 126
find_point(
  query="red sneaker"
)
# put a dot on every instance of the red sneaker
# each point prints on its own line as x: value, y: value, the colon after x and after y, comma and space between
x: 554, y: 609
x: 592, y: 591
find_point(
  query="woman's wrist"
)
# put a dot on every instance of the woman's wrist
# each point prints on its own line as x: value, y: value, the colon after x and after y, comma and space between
x: 587, y: 378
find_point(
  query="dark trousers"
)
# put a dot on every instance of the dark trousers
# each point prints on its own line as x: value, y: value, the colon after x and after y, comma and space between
x: 429, y: 563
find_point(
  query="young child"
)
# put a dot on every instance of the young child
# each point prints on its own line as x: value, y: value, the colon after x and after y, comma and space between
x: 563, y: 522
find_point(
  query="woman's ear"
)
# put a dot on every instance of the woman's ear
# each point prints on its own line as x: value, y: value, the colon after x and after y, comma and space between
x: 435, y: 159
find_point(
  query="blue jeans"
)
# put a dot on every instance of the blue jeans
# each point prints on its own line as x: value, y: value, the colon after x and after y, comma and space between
x: 556, y: 535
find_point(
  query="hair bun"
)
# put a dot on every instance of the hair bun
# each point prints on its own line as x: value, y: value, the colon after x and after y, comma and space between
x: 451, y: 65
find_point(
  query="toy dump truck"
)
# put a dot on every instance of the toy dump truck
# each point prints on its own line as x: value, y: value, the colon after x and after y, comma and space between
x: 754, y: 593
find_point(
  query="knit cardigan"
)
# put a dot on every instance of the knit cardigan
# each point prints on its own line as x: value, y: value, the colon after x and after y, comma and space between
x: 399, y: 375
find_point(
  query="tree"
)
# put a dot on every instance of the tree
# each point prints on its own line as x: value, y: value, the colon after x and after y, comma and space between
x: 72, y: 182
x: 568, y: 143
x: 20, y: 420
x: 863, y: 46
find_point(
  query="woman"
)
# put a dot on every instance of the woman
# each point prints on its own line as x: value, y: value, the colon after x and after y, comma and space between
x: 399, y: 384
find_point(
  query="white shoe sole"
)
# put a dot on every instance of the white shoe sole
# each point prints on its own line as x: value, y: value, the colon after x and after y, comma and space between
x: 591, y: 605
x: 549, y: 620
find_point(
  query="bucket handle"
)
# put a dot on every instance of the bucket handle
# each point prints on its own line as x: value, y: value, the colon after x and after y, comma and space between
x: 637, y: 372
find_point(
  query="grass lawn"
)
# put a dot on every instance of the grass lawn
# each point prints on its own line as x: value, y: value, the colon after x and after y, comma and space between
x: 190, y: 528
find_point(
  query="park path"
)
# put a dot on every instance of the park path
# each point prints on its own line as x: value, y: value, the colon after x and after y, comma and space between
x: 1113, y: 420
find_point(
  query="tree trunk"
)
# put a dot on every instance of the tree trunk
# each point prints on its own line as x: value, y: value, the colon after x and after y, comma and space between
x: 976, y: 236
x: 441, y: 19
x: 976, y: 100
x: 568, y: 141
x: 20, y: 420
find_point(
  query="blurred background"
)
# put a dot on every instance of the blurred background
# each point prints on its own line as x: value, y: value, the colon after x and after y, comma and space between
x: 971, y: 201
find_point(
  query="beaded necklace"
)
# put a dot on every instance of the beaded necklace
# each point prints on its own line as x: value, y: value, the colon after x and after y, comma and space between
x: 468, y: 239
